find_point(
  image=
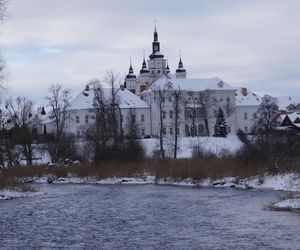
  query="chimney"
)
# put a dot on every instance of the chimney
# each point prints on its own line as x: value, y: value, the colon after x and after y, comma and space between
x: 244, y: 91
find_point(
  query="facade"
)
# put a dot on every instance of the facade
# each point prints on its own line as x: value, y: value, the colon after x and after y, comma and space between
x: 198, y: 105
x: 195, y: 116
x: 247, y: 104
x: 82, y: 112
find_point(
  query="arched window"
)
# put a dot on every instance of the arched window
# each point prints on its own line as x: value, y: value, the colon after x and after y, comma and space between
x: 187, y: 130
x: 193, y: 130
x: 201, y: 130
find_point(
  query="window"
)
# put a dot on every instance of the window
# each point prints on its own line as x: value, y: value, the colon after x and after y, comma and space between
x: 215, y: 113
x: 143, y: 132
x: 245, y: 116
x: 246, y: 130
x: 201, y: 130
x: 170, y: 98
x: 254, y: 115
x: 187, y: 130
x: 133, y: 118
x: 86, y: 119
x: 78, y: 133
x: 164, y: 114
x: 77, y: 119
x: 170, y: 114
x: 142, y: 117
x: 171, y: 131
x: 229, y: 129
x: 158, y: 71
x: 164, y: 131
x: 228, y: 99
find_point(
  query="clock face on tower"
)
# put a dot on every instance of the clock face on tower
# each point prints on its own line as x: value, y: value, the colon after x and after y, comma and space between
x: 156, y: 47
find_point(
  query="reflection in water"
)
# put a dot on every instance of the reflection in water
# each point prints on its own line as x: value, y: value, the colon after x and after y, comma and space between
x: 146, y: 217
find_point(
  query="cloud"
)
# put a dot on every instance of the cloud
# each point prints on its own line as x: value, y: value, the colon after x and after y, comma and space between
x: 246, y: 43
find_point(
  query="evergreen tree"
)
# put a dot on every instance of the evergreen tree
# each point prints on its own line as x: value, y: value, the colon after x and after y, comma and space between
x: 220, y: 127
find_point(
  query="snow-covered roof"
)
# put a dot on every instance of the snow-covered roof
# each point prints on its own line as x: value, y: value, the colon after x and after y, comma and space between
x: 200, y: 84
x: 284, y: 101
x: 293, y: 116
x: 125, y: 98
x: 244, y: 97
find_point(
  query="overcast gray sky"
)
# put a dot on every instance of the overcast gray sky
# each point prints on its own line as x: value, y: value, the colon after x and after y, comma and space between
x: 252, y: 43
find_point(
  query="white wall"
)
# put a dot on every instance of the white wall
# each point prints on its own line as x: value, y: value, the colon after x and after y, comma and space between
x: 244, y: 117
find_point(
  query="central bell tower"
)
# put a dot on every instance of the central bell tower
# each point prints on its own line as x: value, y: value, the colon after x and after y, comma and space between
x: 156, y: 64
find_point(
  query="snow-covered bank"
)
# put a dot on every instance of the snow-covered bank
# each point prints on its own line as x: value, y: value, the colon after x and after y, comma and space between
x: 291, y: 204
x: 8, y: 194
x: 283, y: 182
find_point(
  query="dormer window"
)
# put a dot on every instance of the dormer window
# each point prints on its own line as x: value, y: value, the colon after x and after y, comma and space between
x: 220, y: 84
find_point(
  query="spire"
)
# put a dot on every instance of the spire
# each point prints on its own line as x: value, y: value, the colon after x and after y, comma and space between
x: 155, y: 45
x: 155, y: 34
x: 130, y: 67
x: 167, y: 68
x: 144, y: 66
x: 130, y: 72
x: 180, y: 66
x: 180, y: 71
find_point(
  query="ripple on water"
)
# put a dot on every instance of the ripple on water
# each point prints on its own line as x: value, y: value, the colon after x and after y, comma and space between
x: 146, y: 217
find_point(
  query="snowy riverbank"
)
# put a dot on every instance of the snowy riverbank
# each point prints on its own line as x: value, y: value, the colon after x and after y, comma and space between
x: 289, y: 182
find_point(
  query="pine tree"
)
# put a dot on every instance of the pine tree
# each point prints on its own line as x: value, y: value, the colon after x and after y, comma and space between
x: 220, y: 127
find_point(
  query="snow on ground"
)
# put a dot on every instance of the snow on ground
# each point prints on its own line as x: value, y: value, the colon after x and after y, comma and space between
x: 215, y: 145
x: 7, y: 194
x: 293, y: 204
x: 284, y: 182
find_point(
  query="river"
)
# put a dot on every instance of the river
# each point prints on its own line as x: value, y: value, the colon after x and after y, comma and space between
x: 146, y: 217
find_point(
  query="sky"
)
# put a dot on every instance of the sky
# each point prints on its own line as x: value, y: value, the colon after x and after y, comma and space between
x: 247, y: 43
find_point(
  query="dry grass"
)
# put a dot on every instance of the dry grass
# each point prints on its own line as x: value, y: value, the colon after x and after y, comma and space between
x: 210, y: 167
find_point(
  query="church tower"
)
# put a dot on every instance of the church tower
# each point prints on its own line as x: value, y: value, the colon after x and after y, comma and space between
x: 156, y: 63
x: 180, y: 71
x: 130, y: 80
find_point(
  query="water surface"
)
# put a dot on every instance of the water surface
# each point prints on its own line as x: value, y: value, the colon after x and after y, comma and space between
x: 146, y: 217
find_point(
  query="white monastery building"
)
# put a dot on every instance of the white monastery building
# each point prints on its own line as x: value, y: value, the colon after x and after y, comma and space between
x: 150, y: 98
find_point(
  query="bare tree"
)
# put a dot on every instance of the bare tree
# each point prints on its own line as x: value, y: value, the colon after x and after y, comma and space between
x: 177, y: 101
x: 107, y: 130
x: 112, y: 80
x: 207, y: 102
x: 132, y: 128
x: 266, y: 113
x: 160, y: 96
x: 8, y: 155
x: 20, y: 114
x: 59, y: 104
x: 193, y: 112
